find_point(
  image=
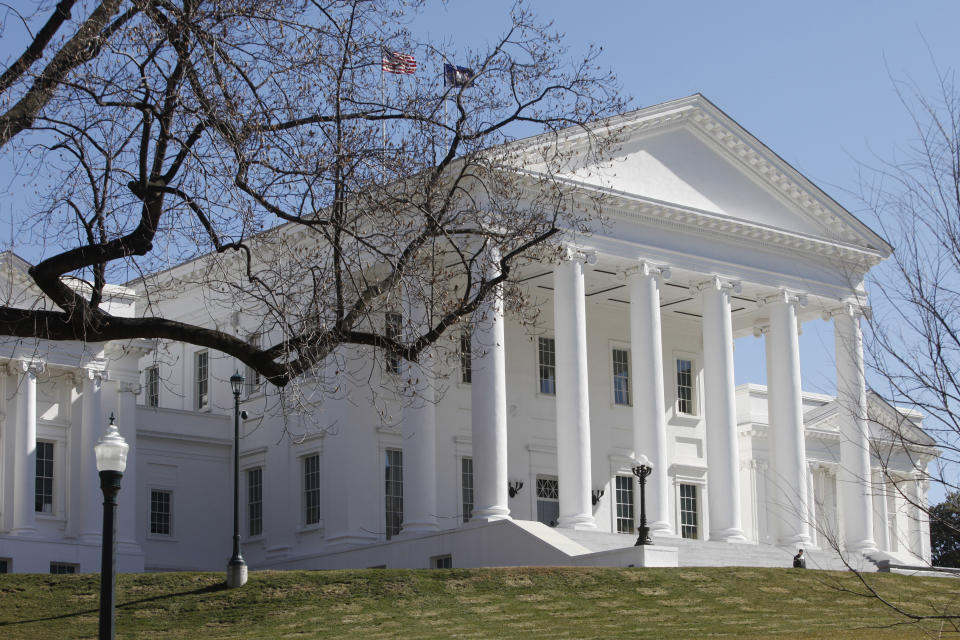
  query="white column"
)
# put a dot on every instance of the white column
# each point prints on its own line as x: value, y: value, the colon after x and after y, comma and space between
x: 854, y: 474
x: 419, y: 427
x: 785, y: 410
x: 573, y: 406
x: 649, y: 410
x: 488, y: 401
x: 92, y: 426
x: 126, y: 422
x: 811, y: 505
x: 881, y: 529
x: 24, y: 484
x: 723, y: 456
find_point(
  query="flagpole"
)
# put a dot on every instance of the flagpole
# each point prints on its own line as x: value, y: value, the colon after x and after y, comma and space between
x: 383, y: 122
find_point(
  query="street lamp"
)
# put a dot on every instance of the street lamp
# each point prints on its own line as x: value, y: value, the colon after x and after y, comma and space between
x: 111, y: 452
x: 236, y: 568
x: 642, y: 469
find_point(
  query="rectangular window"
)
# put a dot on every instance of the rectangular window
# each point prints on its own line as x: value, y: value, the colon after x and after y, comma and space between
x: 251, y: 377
x: 442, y: 562
x: 159, y: 512
x: 201, y: 376
x: 153, y: 386
x: 466, y: 487
x: 547, y: 361
x: 621, y: 376
x: 311, y: 489
x: 625, y: 504
x: 394, y: 491
x: 548, y: 500
x: 43, y: 496
x: 254, y: 501
x: 688, y: 511
x: 685, y: 386
x: 62, y: 568
x: 466, y: 358
x: 391, y: 329
x: 5, y: 565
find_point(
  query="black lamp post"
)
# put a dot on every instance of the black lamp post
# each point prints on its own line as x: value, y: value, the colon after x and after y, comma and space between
x: 111, y: 453
x: 642, y: 469
x: 236, y: 568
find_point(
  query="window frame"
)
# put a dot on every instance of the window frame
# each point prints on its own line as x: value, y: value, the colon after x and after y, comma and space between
x: 151, y: 385
x: 201, y: 401
x: 631, y: 506
x: 698, y: 519
x: 537, y: 497
x: 465, y: 488
x: 52, y: 479
x: 73, y: 568
x: 625, y: 348
x: 170, y: 519
x: 252, y: 380
x: 541, y: 366
x: 694, y: 385
x: 393, y: 330
x: 249, y: 502
x: 391, y: 530
x: 307, y: 491
x: 465, y: 352
x: 443, y: 561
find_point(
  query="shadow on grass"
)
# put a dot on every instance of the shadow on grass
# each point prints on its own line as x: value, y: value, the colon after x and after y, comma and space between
x: 222, y: 586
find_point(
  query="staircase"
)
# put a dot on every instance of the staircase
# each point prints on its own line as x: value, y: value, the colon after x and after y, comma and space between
x: 703, y: 553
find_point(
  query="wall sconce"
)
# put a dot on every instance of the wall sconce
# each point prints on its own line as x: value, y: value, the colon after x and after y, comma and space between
x: 596, y: 495
x: 514, y: 487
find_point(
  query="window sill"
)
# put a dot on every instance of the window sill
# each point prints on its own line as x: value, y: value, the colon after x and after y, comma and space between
x: 310, y: 528
x: 43, y: 516
x: 161, y: 537
x: 685, y: 420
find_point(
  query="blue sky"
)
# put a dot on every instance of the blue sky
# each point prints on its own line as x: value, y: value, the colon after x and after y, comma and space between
x: 814, y: 80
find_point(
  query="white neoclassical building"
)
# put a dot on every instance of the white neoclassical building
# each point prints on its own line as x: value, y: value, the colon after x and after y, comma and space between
x: 522, y: 454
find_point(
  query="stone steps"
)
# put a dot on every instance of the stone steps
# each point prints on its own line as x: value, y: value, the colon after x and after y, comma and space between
x: 704, y: 553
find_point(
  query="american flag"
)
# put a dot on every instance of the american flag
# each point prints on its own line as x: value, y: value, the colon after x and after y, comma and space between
x: 396, y: 62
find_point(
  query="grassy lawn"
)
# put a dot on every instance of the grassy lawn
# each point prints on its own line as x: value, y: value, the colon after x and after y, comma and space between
x: 479, y: 603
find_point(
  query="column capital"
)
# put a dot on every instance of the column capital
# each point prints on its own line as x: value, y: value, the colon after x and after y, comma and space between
x: 95, y: 374
x: 644, y: 267
x: 784, y: 296
x: 760, y: 330
x: 848, y: 308
x: 130, y: 387
x: 715, y: 283
x: 571, y: 252
x: 33, y: 367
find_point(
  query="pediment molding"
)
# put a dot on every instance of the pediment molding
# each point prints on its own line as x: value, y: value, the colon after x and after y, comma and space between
x: 705, y: 120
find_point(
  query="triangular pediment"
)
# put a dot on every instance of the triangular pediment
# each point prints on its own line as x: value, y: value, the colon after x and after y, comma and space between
x: 690, y: 155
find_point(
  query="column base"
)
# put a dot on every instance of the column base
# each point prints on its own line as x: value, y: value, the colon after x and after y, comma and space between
x: 727, y: 535
x: 862, y: 546
x: 577, y: 523
x: 796, y: 540
x: 662, y: 529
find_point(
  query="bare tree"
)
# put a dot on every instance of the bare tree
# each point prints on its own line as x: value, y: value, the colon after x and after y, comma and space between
x: 283, y: 149
x: 912, y: 345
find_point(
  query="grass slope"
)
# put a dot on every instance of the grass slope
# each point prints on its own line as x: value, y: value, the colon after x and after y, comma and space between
x: 479, y: 603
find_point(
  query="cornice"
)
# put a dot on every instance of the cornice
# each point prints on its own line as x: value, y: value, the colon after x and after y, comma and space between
x: 768, y: 173
x: 649, y: 211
